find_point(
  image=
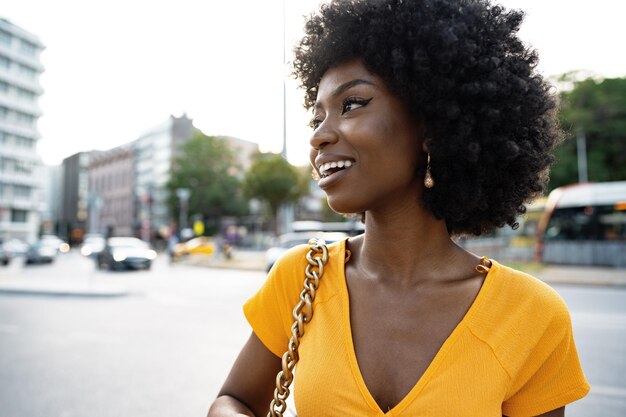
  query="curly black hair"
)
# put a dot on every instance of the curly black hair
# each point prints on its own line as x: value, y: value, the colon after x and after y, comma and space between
x: 490, y: 118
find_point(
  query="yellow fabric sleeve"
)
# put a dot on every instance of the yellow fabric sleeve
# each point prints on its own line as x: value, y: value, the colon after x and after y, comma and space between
x: 551, y: 378
x: 269, y: 311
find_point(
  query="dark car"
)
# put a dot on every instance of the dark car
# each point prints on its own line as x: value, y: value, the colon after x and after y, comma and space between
x: 41, y: 252
x: 125, y: 253
x: 5, y: 255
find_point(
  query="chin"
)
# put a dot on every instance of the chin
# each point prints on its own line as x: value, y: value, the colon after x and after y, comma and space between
x: 343, y: 207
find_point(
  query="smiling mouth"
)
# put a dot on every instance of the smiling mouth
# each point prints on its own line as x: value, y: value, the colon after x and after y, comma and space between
x: 330, y: 168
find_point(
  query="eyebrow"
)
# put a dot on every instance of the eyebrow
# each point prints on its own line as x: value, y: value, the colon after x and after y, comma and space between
x: 346, y: 86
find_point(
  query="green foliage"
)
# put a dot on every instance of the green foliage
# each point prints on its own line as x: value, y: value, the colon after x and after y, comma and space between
x: 207, y: 166
x: 274, y: 181
x: 598, y: 109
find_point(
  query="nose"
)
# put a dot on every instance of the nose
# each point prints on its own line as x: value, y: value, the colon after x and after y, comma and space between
x: 323, y: 136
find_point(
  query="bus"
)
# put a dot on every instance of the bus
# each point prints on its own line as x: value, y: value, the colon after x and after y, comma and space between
x: 584, y: 224
x: 508, y: 244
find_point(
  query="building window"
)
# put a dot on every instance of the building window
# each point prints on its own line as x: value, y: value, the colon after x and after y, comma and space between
x: 18, y: 216
x: 24, y: 142
x: 24, y: 119
x: 5, y: 62
x: 22, y: 167
x: 5, y: 38
x: 25, y: 95
x: 4, y: 112
x: 4, y: 87
x: 28, y: 72
x: 21, y: 191
x: 28, y: 48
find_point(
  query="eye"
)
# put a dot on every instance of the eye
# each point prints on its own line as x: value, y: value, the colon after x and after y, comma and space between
x: 353, y: 103
x: 315, y: 123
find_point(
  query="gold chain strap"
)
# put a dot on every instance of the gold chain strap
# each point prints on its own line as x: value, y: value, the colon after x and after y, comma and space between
x: 302, y: 313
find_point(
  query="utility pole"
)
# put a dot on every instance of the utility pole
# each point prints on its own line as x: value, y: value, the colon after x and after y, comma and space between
x: 183, y: 195
x: 581, y: 151
x: 284, y: 152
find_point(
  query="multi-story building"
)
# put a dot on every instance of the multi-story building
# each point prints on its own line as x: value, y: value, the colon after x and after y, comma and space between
x: 154, y: 152
x: 244, y: 153
x: 74, y: 197
x: 111, y: 190
x: 51, y: 190
x: 20, y: 166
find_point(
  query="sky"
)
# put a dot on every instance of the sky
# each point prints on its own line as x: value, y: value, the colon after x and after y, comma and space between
x: 117, y: 68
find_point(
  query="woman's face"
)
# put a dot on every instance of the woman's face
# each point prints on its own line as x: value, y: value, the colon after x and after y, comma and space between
x: 365, y: 145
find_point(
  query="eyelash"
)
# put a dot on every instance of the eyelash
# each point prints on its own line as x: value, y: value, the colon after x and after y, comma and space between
x: 353, y: 100
x: 314, y: 124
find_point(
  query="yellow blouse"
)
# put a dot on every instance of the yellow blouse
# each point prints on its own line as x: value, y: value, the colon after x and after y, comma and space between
x: 513, y: 353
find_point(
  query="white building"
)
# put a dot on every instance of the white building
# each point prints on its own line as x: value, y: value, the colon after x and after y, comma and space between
x: 154, y: 152
x: 20, y: 166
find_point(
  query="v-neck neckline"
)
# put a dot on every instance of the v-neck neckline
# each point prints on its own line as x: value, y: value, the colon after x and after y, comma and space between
x: 440, y: 356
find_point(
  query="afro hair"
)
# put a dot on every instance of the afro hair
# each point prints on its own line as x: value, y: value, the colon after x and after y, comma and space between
x: 490, y: 118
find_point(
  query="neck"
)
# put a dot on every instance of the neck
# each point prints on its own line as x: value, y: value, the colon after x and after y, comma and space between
x: 407, y: 248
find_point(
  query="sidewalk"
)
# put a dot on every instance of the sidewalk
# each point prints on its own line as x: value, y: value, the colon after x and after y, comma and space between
x: 582, y: 275
x: 241, y: 259
x: 552, y: 274
x: 85, y: 286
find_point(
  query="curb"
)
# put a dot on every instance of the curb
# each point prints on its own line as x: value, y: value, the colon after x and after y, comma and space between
x: 599, y: 282
x: 65, y: 294
x: 78, y: 291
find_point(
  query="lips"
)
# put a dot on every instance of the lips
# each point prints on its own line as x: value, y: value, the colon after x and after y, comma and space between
x: 332, y: 168
x: 329, y: 168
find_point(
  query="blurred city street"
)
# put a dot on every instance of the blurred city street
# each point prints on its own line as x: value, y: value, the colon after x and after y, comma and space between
x: 75, y: 341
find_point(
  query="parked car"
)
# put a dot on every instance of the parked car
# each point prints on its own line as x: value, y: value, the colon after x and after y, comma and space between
x: 92, y: 244
x: 41, y: 252
x: 5, y: 255
x: 16, y: 247
x: 289, y: 240
x: 125, y: 253
x: 55, y: 241
x: 200, y: 245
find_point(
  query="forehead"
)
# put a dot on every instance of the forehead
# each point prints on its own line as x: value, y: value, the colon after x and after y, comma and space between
x: 337, y: 76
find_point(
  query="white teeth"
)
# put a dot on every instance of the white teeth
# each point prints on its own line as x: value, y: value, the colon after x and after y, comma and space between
x: 336, y: 164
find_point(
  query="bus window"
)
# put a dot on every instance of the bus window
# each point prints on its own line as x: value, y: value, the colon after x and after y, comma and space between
x: 584, y: 224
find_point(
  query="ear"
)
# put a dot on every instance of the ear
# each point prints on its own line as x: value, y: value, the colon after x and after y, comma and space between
x: 424, y: 135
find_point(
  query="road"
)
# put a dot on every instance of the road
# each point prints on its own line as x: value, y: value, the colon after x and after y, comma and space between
x: 163, y: 346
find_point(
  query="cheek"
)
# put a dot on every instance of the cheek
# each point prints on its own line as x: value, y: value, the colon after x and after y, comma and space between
x: 312, y: 156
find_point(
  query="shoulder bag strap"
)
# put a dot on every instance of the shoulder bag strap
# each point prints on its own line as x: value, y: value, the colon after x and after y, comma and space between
x: 302, y: 313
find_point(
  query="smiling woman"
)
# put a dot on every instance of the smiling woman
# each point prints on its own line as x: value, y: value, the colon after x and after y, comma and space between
x: 429, y: 121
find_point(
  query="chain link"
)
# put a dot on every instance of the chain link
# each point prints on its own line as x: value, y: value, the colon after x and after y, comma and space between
x: 302, y: 313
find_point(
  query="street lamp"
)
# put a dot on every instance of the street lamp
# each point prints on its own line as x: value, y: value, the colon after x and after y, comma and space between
x: 183, y: 195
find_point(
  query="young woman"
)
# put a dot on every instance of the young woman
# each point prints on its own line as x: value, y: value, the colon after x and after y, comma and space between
x: 428, y: 122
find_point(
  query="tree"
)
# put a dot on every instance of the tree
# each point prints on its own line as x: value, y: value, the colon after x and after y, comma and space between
x: 207, y: 166
x: 274, y: 181
x: 596, y: 108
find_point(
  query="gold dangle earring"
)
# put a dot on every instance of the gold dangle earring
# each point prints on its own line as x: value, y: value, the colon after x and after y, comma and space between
x: 429, y: 181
